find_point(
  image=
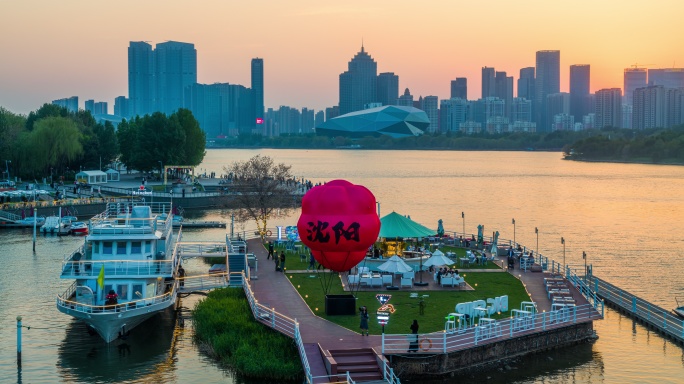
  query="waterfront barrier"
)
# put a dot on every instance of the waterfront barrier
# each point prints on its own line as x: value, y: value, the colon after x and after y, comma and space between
x: 660, y: 319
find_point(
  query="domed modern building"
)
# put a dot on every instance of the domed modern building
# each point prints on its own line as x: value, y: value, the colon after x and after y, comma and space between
x: 389, y: 120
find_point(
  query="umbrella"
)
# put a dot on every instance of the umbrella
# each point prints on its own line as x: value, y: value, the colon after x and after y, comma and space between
x: 395, y: 265
x: 437, y: 259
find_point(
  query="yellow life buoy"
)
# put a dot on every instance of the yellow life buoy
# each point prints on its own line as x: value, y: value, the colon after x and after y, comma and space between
x: 422, y: 344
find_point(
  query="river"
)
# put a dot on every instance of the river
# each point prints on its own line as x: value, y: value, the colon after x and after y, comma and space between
x: 626, y: 217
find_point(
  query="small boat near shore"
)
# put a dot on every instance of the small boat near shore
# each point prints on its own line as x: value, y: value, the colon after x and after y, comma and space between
x: 79, y: 228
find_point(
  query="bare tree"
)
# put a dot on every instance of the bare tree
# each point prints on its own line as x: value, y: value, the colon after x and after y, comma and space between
x: 260, y: 187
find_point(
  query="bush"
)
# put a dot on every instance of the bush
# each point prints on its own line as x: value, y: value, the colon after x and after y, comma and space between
x: 225, y: 321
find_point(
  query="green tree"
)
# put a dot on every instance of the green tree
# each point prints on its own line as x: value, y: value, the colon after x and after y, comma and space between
x: 261, y: 187
x: 127, y: 137
x: 195, y: 139
x: 107, y: 142
x: 54, y: 142
x: 11, y: 128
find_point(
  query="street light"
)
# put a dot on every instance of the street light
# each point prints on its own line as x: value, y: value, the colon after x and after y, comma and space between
x: 161, y: 166
x: 513, y: 221
x: 584, y: 256
x: 463, y: 217
x: 563, y: 242
x: 7, y: 169
x: 536, y: 231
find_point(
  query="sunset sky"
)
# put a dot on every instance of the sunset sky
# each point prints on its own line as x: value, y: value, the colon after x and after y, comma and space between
x: 55, y: 49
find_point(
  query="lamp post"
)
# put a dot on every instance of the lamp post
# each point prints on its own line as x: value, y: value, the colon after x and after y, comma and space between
x: 563, y: 242
x: 161, y: 166
x: 514, y: 243
x: 7, y: 169
x: 50, y: 175
x: 463, y: 218
x: 378, y: 203
x: 584, y: 256
x: 536, y: 231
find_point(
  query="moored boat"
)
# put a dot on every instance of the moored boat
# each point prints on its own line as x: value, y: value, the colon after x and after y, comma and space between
x: 122, y: 274
x: 79, y: 228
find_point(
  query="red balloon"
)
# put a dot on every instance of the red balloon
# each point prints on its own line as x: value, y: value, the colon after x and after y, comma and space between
x: 339, y: 223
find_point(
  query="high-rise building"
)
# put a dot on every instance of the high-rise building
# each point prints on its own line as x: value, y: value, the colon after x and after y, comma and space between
x: 141, y: 78
x: 388, y: 88
x: 90, y: 106
x: 547, y: 82
x: 121, y: 107
x: 488, y: 86
x: 521, y: 110
x: 633, y: 78
x: 258, y: 89
x: 557, y: 104
x: 430, y: 104
x: 503, y: 89
x: 175, y: 69
x: 221, y: 109
x: 405, y: 100
x: 526, y: 83
x: 100, y: 108
x: 459, y: 88
x: 579, y: 90
x: 658, y: 107
x: 608, y: 108
x: 70, y: 103
x: 332, y: 112
x: 667, y: 77
x: 319, y: 118
x: 358, y: 85
x: 452, y: 113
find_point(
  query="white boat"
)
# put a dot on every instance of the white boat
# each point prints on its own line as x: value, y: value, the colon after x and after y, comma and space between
x: 123, y: 273
x: 30, y: 221
x: 55, y: 224
x: 79, y: 228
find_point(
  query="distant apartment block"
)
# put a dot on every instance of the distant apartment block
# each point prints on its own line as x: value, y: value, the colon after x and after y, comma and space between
x: 547, y: 82
x: 633, y: 78
x: 459, y: 88
x: 387, y: 88
x: 608, y: 108
x: 70, y: 103
x: 657, y: 107
x: 580, y: 81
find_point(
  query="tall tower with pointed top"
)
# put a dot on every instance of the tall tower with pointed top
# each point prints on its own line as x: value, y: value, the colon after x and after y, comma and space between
x: 358, y: 85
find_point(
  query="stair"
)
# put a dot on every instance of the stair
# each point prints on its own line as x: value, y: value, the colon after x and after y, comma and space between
x: 361, y: 363
x: 236, y: 265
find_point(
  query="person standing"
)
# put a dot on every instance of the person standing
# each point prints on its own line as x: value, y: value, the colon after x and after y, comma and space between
x: 312, y: 262
x: 364, y: 320
x: 181, y: 276
x: 270, y: 251
x: 282, y: 261
x: 413, y: 345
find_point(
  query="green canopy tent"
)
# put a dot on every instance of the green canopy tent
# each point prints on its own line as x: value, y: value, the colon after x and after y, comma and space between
x: 396, y: 226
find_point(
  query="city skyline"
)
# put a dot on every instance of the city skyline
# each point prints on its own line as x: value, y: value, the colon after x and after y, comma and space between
x: 80, y: 48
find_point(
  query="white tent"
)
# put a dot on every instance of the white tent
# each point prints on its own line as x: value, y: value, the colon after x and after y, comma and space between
x: 92, y: 177
x: 113, y: 175
x: 438, y: 259
x: 395, y: 265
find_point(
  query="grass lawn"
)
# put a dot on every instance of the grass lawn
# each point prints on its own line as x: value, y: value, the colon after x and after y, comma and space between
x: 438, y: 305
x: 293, y: 262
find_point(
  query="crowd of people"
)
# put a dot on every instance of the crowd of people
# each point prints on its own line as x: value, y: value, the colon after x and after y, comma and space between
x: 445, y: 272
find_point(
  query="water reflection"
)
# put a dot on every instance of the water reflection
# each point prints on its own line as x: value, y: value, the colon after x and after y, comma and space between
x: 148, y: 354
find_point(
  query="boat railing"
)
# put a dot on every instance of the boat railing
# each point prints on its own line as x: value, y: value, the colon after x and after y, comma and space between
x: 65, y: 302
x: 469, y: 336
x: 118, y: 268
x: 203, y: 282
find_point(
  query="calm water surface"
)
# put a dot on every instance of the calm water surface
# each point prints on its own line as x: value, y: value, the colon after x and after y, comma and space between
x: 626, y: 217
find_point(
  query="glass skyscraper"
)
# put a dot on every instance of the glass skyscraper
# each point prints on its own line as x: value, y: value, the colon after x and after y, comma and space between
x: 358, y: 85
x: 547, y: 82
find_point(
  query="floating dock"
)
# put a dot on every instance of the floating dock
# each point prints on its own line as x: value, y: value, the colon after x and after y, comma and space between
x: 200, y: 224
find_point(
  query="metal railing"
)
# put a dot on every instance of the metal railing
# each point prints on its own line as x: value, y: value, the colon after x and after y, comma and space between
x: 118, y: 268
x: 660, y: 318
x: 64, y: 302
x: 201, y: 249
x: 203, y: 282
x: 494, y: 331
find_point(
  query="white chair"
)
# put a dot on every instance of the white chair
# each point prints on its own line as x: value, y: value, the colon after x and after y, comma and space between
x: 406, y: 282
x: 363, y: 270
x: 386, y: 279
x: 376, y: 282
x: 353, y: 279
x: 409, y: 275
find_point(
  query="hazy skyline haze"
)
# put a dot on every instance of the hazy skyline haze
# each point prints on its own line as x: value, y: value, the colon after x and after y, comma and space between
x: 53, y: 50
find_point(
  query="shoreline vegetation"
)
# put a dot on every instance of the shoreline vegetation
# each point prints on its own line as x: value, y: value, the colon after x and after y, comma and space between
x: 225, y: 329
x: 652, y: 146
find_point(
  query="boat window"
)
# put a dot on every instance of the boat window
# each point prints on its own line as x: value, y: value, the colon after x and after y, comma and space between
x: 136, y: 247
x: 122, y: 291
x: 148, y: 246
x: 121, y: 248
x: 137, y: 292
x: 106, y: 247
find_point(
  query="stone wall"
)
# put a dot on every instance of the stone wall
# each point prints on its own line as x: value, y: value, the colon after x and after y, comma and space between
x: 493, y: 355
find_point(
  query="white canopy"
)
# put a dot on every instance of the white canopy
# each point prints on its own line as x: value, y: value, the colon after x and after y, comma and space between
x: 92, y: 177
x: 438, y: 259
x: 395, y: 264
